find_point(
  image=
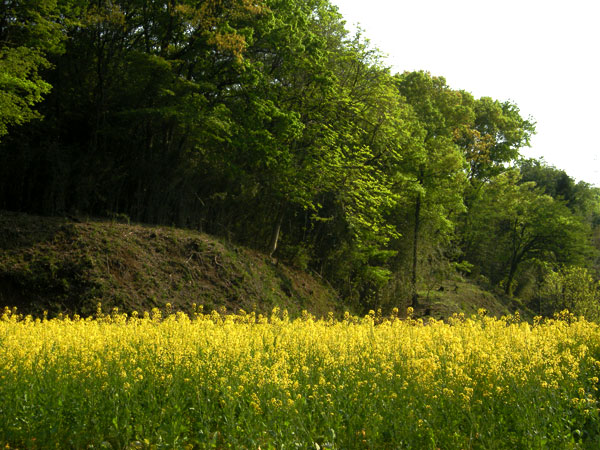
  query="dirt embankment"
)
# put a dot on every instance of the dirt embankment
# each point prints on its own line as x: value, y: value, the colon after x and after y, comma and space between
x: 64, y: 265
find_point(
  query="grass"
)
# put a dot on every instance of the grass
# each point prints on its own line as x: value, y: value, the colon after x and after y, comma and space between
x: 252, y: 381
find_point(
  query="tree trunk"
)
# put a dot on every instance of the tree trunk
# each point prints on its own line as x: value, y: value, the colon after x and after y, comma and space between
x: 275, y: 233
x: 514, y: 265
x: 515, y: 259
x: 415, y: 297
x: 511, y: 276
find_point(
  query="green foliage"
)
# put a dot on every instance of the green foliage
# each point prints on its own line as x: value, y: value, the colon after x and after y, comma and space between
x: 29, y: 30
x: 267, y: 123
x: 432, y: 169
x: 572, y: 288
x: 581, y: 198
x: 21, y: 87
x: 514, y: 223
x: 495, y: 138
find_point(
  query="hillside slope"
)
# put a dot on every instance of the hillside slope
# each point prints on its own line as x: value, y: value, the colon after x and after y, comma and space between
x: 460, y: 295
x: 63, y: 265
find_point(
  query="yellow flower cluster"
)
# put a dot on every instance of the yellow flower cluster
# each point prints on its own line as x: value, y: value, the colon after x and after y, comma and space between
x: 246, y: 380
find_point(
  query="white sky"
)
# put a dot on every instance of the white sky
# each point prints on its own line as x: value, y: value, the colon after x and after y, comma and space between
x: 543, y: 55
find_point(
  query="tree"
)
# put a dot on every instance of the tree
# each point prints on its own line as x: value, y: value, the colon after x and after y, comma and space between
x: 514, y: 223
x: 137, y: 96
x: 434, y: 170
x: 29, y: 30
x: 494, y: 139
x: 580, y: 197
x: 316, y: 126
x: 21, y: 86
x: 572, y: 288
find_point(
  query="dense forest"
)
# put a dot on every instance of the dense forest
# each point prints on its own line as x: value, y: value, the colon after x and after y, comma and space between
x: 267, y: 123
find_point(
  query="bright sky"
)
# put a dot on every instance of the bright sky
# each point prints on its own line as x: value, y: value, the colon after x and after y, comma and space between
x: 543, y: 55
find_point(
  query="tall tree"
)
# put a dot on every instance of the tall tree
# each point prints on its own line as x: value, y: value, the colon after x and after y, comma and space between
x: 138, y: 91
x: 434, y: 171
x: 29, y: 30
x: 494, y: 139
x: 514, y: 223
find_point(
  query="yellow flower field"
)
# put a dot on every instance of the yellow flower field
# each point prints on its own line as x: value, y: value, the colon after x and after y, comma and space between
x: 242, y: 381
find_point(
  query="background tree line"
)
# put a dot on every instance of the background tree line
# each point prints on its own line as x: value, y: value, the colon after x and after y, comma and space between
x: 268, y: 123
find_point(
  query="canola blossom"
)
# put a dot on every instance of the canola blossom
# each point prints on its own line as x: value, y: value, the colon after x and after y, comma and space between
x: 248, y: 381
